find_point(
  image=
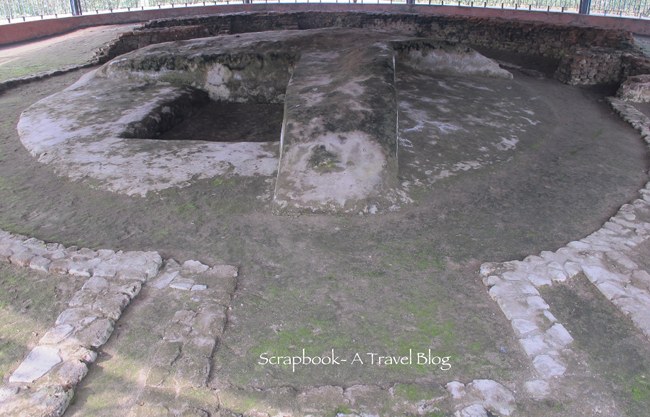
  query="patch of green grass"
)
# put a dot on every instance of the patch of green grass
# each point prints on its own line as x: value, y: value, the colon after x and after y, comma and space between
x: 241, y: 402
x: 430, y: 332
x: 640, y: 389
x: 10, y: 352
x: 425, y: 261
x: 10, y: 280
x: 476, y: 347
x: 187, y: 210
x: 342, y: 409
x: 410, y: 392
x: 160, y: 234
x: 609, y: 339
x: 199, y: 395
x: 416, y: 392
x: 9, y: 71
x: 284, y: 343
x: 29, y: 301
x: 222, y: 182
x: 187, y: 207
x: 273, y: 291
x: 282, y: 293
x: 317, y: 338
x: 97, y: 403
x: 425, y: 319
x: 421, y: 259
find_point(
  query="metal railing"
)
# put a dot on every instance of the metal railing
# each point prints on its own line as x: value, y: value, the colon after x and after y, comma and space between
x: 620, y: 8
x: 23, y: 10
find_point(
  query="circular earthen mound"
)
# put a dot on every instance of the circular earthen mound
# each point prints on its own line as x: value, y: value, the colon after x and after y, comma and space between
x: 134, y: 125
x: 169, y: 114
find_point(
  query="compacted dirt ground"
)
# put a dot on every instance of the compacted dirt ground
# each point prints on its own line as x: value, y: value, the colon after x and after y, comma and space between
x: 382, y: 284
x: 74, y: 48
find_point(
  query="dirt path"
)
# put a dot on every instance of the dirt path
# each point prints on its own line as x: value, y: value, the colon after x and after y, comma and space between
x: 75, y: 48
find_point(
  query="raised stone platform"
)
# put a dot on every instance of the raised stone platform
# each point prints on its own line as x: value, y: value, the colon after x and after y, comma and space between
x: 339, y: 141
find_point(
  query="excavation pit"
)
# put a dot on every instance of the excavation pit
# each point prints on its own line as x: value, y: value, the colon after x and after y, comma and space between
x: 230, y: 122
x: 196, y: 117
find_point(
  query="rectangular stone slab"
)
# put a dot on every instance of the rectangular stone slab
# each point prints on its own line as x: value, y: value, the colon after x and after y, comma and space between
x: 339, y: 139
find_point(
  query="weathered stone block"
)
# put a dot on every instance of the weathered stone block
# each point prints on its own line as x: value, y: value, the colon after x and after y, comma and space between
x: 39, y: 362
x: 96, y: 333
x: 635, y: 88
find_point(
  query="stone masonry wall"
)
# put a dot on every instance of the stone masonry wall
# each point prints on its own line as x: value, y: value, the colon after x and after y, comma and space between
x: 590, y: 66
x: 634, y: 64
x: 45, y: 381
x: 529, y: 37
x: 585, y: 55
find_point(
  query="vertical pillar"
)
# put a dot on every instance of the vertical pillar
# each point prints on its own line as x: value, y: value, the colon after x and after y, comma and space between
x: 75, y: 7
x: 585, y: 6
